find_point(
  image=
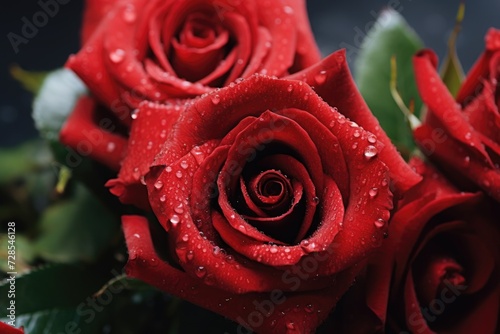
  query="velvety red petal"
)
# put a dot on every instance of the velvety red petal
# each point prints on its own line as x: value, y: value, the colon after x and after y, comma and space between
x: 279, y: 20
x: 171, y: 203
x: 171, y: 84
x: 8, y: 329
x: 471, y: 167
x: 88, y: 138
x: 287, y: 312
x: 480, y: 69
x: 441, y: 103
x: 333, y: 82
x: 192, y: 63
x: 151, y: 126
x: 483, y: 111
x: 95, y: 12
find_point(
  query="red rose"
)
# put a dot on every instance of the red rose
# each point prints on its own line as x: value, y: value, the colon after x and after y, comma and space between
x: 331, y: 79
x: 264, y: 190
x: 439, y: 270
x: 92, y: 130
x: 463, y: 136
x: 138, y: 50
x: 156, y: 50
x: 8, y: 329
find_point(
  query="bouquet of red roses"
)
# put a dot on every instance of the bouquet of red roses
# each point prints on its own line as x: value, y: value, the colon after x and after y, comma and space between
x: 259, y: 188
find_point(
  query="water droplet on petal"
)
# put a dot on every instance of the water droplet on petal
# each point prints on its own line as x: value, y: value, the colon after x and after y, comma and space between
x: 290, y: 325
x: 379, y: 223
x: 315, y: 199
x: 111, y: 147
x: 372, y: 139
x: 129, y: 14
x: 174, y: 220
x: 158, y: 185
x: 320, y: 78
x: 468, y: 135
x: 370, y: 152
x: 373, y: 192
x: 163, y: 198
x: 117, y: 56
x: 467, y: 161
x: 200, y: 272
x: 184, y: 164
x: 168, y: 169
x: 273, y: 249
x: 216, y: 99
x: 185, y: 237
x: 136, y: 173
x: 309, y: 308
x: 178, y: 174
x: 179, y: 209
x: 190, y: 255
x: 290, y: 88
x: 134, y: 114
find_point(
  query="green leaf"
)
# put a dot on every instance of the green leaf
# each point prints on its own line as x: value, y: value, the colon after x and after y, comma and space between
x: 55, y: 286
x: 24, y: 252
x: 390, y: 36
x: 451, y: 71
x: 62, y: 321
x: 31, y: 81
x: 77, y: 228
x: 23, y: 159
x: 58, y: 299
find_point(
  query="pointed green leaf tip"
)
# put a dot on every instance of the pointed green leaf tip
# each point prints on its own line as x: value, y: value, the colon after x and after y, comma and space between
x: 78, y: 228
x: 451, y: 71
x: 389, y: 36
x: 30, y: 80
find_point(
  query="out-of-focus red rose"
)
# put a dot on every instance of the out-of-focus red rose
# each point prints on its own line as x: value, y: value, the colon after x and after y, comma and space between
x: 462, y: 135
x: 170, y: 51
x: 154, y: 50
x: 262, y: 187
x: 8, y: 329
x: 438, y: 272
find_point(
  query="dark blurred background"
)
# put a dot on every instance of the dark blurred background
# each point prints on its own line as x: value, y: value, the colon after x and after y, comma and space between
x: 334, y: 23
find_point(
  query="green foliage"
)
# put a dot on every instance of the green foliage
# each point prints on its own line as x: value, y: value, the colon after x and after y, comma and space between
x: 390, y: 36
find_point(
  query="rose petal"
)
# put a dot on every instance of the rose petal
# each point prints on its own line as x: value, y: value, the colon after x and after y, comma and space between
x: 94, y: 14
x: 195, y: 250
x: 287, y: 311
x: 333, y: 82
x: 83, y: 131
x: 283, y: 255
x: 8, y: 329
x: 150, y: 129
x: 479, y: 70
x: 441, y: 103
